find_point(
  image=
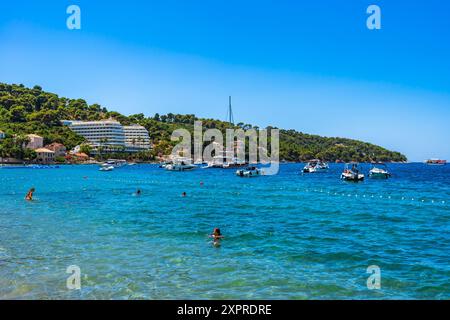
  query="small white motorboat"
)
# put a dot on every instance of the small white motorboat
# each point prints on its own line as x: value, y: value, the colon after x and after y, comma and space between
x: 322, y: 166
x: 163, y: 164
x: 309, y: 168
x: 249, y: 172
x: 226, y: 160
x: 180, y: 164
x: 352, y: 173
x: 115, y: 163
x: 217, y: 162
x: 106, y: 167
x: 111, y: 164
x: 235, y: 163
x: 379, y: 171
x: 213, y: 165
x: 315, y: 166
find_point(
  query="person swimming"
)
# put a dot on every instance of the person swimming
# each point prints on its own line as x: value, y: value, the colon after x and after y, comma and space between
x: 138, y: 192
x: 29, y: 195
x: 217, y: 236
x: 183, y: 194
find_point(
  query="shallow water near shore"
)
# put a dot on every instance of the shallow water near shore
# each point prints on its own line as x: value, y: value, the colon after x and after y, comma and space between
x: 289, y: 236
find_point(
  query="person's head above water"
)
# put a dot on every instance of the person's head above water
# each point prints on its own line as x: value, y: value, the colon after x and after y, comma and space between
x: 29, y: 195
x: 138, y: 191
x: 216, y: 232
x: 183, y: 194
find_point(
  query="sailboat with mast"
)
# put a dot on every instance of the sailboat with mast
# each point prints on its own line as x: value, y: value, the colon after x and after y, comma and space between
x: 227, y: 159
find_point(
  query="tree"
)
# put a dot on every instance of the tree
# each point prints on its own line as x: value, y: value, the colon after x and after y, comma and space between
x: 24, y: 110
x: 60, y: 159
x: 3, y: 152
x: 137, y: 117
x: 29, y: 154
x: 48, y: 117
x: 86, y: 148
x: 14, y: 147
x: 17, y: 114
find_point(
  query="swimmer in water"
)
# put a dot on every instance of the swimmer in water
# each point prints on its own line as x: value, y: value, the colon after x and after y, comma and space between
x: 138, y: 192
x: 29, y: 195
x: 183, y: 194
x: 217, y: 236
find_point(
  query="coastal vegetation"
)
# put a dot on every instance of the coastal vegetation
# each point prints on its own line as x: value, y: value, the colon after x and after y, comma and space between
x: 31, y: 110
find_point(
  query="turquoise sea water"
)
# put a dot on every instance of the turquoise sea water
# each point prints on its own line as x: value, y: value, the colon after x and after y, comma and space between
x: 289, y: 236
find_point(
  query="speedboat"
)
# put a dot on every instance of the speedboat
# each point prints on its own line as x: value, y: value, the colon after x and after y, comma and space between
x: 351, y: 173
x: 309, y: 168
x: 180, y: 164
x: 217, y: 163
x: 234, y: 163
x: 379, y: 171
x: 164, y: 164
x: 315, y: 166
x: 106, y: 167
x: 322, y: 166
x: 116, y: 163
x: 226, y: 160
x: 249, y: 172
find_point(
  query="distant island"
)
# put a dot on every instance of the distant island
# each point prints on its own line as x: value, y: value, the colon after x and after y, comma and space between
x: 26, y: 111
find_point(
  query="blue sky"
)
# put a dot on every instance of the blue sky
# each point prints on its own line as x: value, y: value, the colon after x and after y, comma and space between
x: 312, y: 66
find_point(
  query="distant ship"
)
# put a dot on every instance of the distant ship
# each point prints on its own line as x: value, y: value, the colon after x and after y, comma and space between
x: 436, y: 162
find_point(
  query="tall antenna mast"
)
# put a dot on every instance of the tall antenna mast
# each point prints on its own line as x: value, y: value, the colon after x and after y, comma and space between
x: 230, y: 117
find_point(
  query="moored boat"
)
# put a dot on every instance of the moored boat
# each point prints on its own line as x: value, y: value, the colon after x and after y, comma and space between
x: 180, y: 164
x: 249, y: 172
x: 106, y: 167
x: 115, y: 163
x: 314, y: 166
x: 379, y: 171
x: 164, y: 164
x: 234, y: 163
x: 216, y: 163
x: 351, y: 173
x: 226, y: 160
x: 436, y: 162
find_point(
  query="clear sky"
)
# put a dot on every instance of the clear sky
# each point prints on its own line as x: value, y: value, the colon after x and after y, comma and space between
x: 309, y: 65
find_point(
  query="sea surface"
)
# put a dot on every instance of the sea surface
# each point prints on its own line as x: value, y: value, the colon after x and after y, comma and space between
x: 289, y: 236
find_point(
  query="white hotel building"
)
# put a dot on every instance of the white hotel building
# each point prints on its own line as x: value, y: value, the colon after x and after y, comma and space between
x: 136, y: 138
x: 111, y: 136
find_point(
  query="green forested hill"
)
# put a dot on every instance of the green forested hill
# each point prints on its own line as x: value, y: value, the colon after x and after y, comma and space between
x: 32, y: 110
